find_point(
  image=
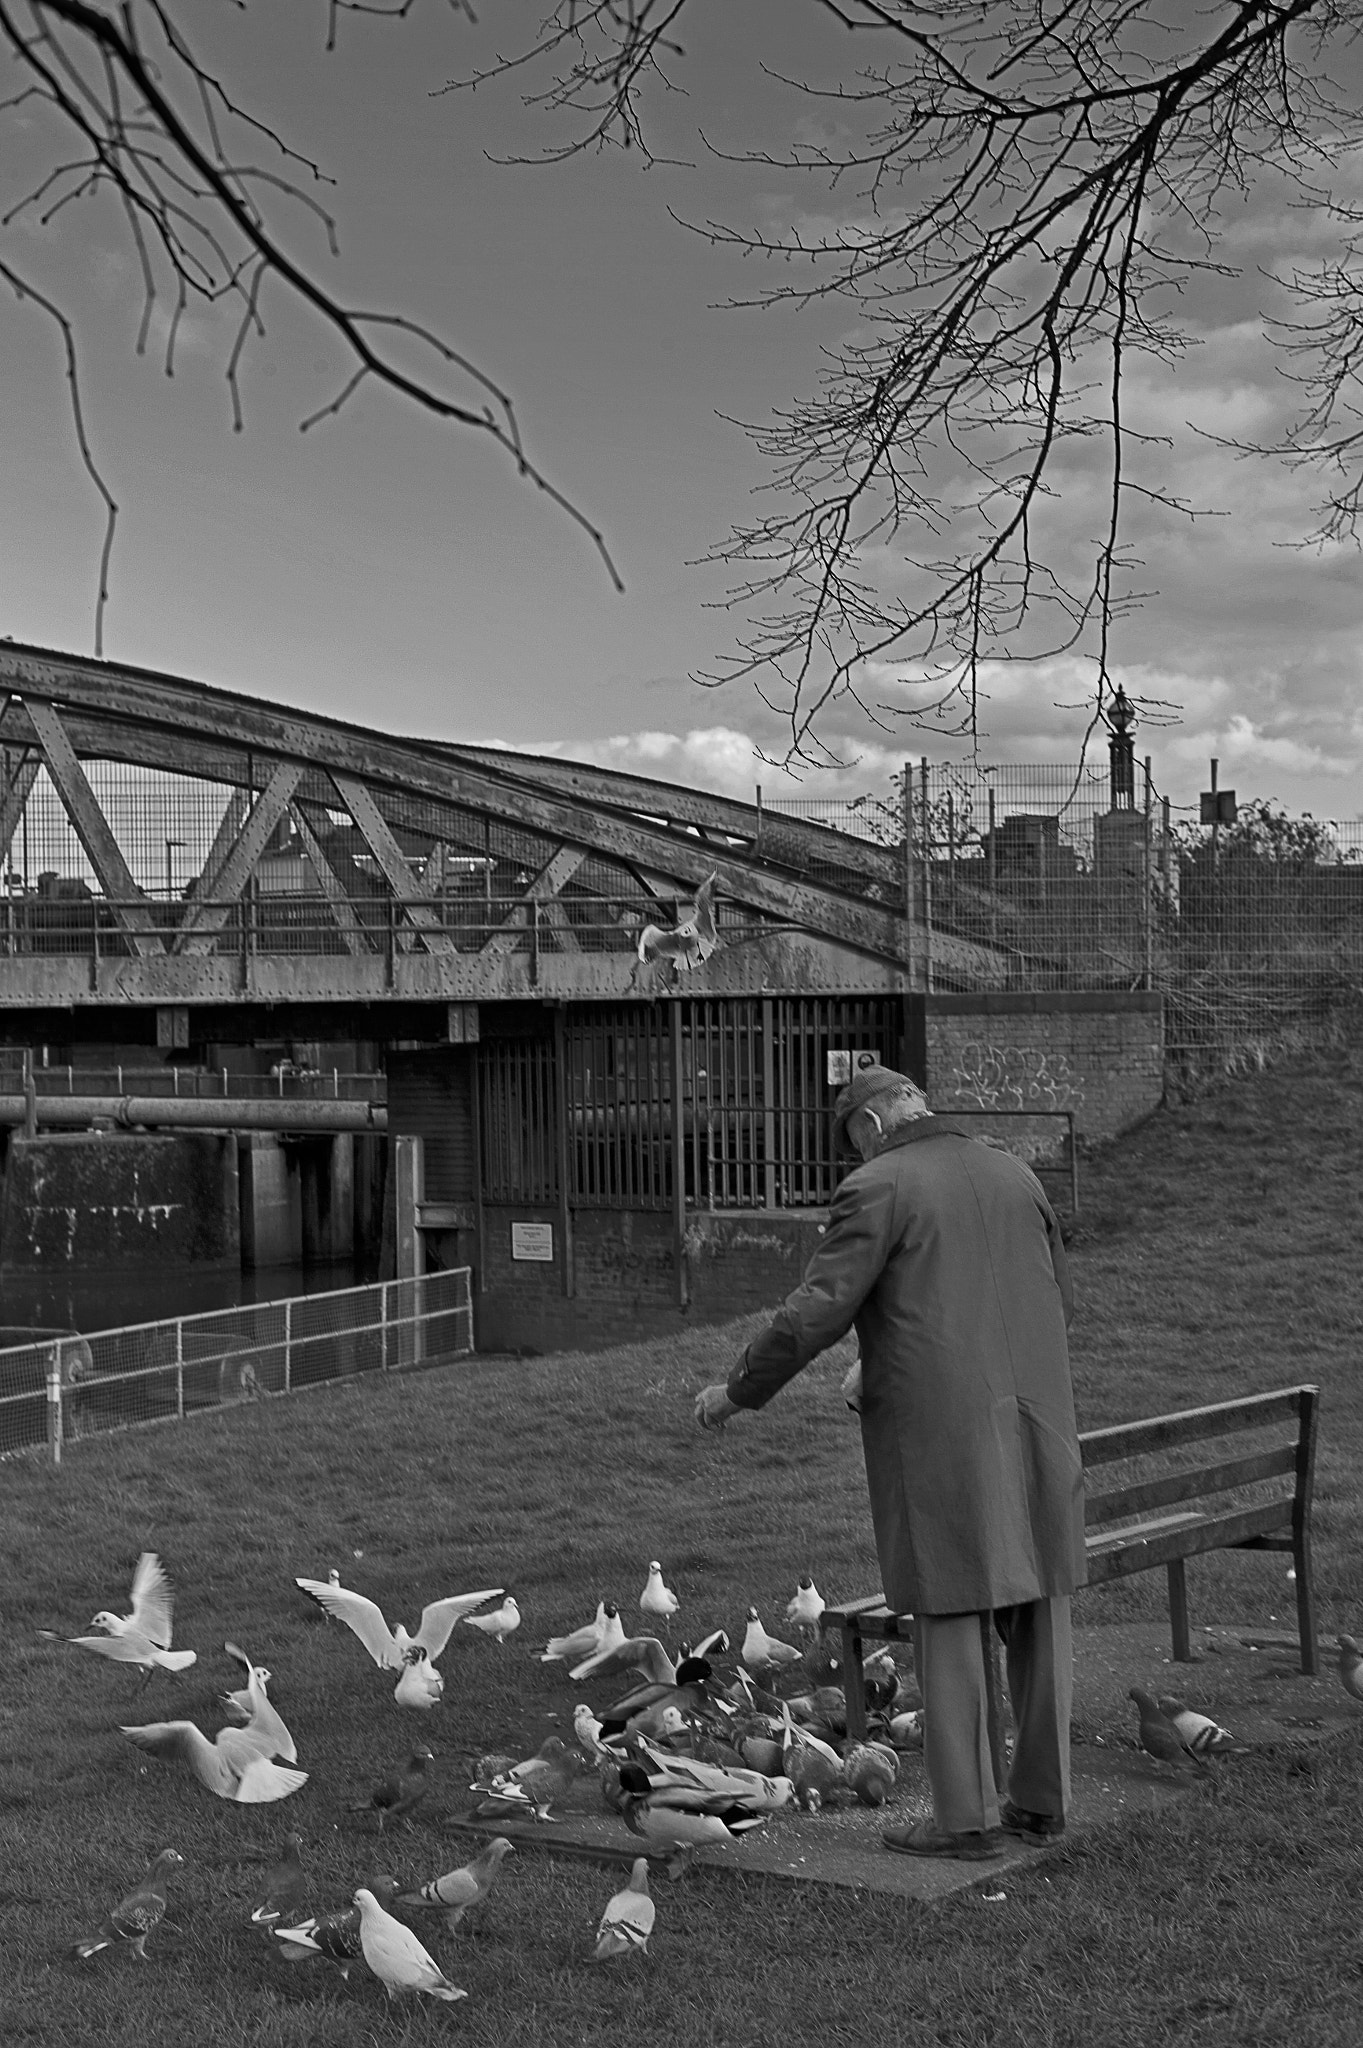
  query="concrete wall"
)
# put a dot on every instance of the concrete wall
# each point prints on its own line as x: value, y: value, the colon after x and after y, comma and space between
x: 624, y: 1275
x: 1100, y: 1055
x: 118, y: 1199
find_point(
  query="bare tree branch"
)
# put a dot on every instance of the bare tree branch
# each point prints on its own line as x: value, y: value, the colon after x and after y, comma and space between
x: 146, y: 121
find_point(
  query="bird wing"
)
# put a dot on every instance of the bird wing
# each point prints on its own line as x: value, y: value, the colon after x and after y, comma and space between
x: 438, y: 1619
x: 127, y: 1649
x: 703, y: 919
x: 266, y: 1730
x: 636, y: 1653
x: 261, y: 1781
x: 358, y: 1614
x: 182, y: 1742
x: 152, y: 1602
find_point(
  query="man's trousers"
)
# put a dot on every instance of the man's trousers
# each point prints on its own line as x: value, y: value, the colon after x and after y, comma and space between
x: 962, y: 1746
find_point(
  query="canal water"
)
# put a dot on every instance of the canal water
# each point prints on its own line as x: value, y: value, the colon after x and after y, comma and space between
x: 87, y: 1301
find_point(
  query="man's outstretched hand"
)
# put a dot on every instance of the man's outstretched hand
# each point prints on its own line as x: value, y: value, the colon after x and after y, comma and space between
x: 713, y: 1407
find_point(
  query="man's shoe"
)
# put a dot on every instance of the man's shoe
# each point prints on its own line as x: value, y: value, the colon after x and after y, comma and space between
x: 1039, y: 1829
x: 924, y: 1838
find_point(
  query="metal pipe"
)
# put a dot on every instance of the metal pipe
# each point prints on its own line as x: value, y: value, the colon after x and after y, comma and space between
x: 196, y: 1113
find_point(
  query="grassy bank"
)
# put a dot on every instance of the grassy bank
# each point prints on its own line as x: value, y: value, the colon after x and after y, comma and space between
x: 1218, y: 1255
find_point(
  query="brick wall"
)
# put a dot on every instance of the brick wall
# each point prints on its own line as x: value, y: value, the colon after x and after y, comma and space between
x: 1100, y: 1055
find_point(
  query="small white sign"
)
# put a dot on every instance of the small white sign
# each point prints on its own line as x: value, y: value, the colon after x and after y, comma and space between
x: 842, y: 1065
x: 533, y: 1241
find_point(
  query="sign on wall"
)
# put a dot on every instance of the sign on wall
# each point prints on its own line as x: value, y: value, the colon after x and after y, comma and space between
x: 533, y: 1241
x: 842, y: 1065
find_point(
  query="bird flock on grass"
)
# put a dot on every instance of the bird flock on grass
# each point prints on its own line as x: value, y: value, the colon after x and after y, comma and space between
x: 690, y: 1753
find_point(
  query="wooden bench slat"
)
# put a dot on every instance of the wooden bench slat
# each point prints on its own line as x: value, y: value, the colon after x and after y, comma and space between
x: 1190, y: 1539
x: 1189, y: 1484
x: 1190, y: 1425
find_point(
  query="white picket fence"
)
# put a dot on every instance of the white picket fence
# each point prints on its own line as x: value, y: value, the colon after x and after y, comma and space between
x: 66, y: 1386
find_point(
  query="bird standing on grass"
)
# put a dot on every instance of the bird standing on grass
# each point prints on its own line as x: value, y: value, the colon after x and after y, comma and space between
x: 761, y: 1652
x: 282, y: 1888
x: 335, y: 1935
x: 1158, y: 1736
x: 141, y: 1637
x: 628, y: 1919
x: 602, y: 1634
x: 1350, y: 1666
x: 501, y: 1623
x: 457, y: 1890
x: 137, y: 1915
x: 1199, y: 1734
x: 807, y: 1606
x: 395, y: 1955
x: 401, y: 1793
x: 658, y: 1600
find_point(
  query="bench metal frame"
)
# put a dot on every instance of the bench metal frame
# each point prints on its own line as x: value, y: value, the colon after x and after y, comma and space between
x: 1125, y: 1533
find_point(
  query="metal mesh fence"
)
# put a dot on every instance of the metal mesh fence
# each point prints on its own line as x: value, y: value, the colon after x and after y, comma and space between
x: 61, y: 1386
x: 1251, y: 929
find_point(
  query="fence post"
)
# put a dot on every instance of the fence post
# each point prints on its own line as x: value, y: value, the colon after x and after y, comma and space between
x: 1074, y: 1167
x: 1147, y: 889
x: 383, y: 1324
x: 908, y: 876
x: 54, y: 1402
x: 926, y: 843
x: 179, y: 1370
x: 288, y: 1346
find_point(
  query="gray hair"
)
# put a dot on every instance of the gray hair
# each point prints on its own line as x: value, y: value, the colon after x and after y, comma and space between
x: 892, y: 1108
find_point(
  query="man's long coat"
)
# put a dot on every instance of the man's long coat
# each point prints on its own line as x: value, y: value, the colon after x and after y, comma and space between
x: 946, y: 1254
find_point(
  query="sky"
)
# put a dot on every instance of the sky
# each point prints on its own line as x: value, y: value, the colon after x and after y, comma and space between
x: 393, y: 571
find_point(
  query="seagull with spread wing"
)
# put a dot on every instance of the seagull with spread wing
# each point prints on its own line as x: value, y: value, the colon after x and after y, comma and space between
x: 141, y: 1637
x: 690, y: 943
x: 390, y: 1647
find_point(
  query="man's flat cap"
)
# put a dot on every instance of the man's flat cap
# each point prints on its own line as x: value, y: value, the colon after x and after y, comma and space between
x: 864, y: 1087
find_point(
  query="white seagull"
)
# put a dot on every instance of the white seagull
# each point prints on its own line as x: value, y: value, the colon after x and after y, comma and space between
x: 602, y: 1634
x: 142, y: 1637
x: 691, y: 942
x: 502, y: 1622
x: 389, y: 1646
x: 657, y: 1599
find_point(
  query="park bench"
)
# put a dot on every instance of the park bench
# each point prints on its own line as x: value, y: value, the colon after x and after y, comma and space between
x: 1126, y: 1530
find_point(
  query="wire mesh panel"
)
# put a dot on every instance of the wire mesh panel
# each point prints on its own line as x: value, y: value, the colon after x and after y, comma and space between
x: 65, y: 1386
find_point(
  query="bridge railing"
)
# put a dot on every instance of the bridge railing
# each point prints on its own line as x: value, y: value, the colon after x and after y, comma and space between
x: 100, y: 927
x: 193, y: 1083
x: 66, y: 1387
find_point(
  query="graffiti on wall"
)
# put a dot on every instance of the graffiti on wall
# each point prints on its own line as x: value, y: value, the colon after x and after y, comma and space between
x: 1015, y: 1077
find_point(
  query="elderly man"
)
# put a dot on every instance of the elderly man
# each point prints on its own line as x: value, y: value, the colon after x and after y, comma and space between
x: 944, y: 1252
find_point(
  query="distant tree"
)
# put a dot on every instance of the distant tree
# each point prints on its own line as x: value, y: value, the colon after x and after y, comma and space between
x: 1027, y: 188
x: 111, y: 100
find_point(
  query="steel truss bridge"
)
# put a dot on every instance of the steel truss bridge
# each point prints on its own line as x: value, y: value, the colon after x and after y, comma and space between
x: 169, y: 844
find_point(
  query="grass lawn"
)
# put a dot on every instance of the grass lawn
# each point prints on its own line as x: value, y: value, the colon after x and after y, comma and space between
x: 1218, y: 1255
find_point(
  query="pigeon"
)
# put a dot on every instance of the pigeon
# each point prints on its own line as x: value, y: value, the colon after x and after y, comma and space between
x: 587, y: 1730
x: 254, y: 1706
x: 400, y: 1794
x: 395, y: 1955
x: 1350, y: 1666
x: 690, y: 943
x: 761, y: 1652
x: 602, y: 1634
x: 906, y: 1729
x: 657, y: 1599
x: 420, y: 1684
x: 240, y: 1763
x: 389, y: 1647
x: 797, y: 1738
x: 871, y: 1772
x: 283, y: 1888
x: 815, y: 1779
x: 644, y: 1654
x: 534, y: 1784
x: 628, y: 1919
x: 454, y: 1893
x: 141, y: 1637
x: 502, y: 1622
x: 1158, y: 1736
x: 1199, y: 1734
x: 807, y: 1606
x: 137, y: 1915
x: 334, y: 1935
